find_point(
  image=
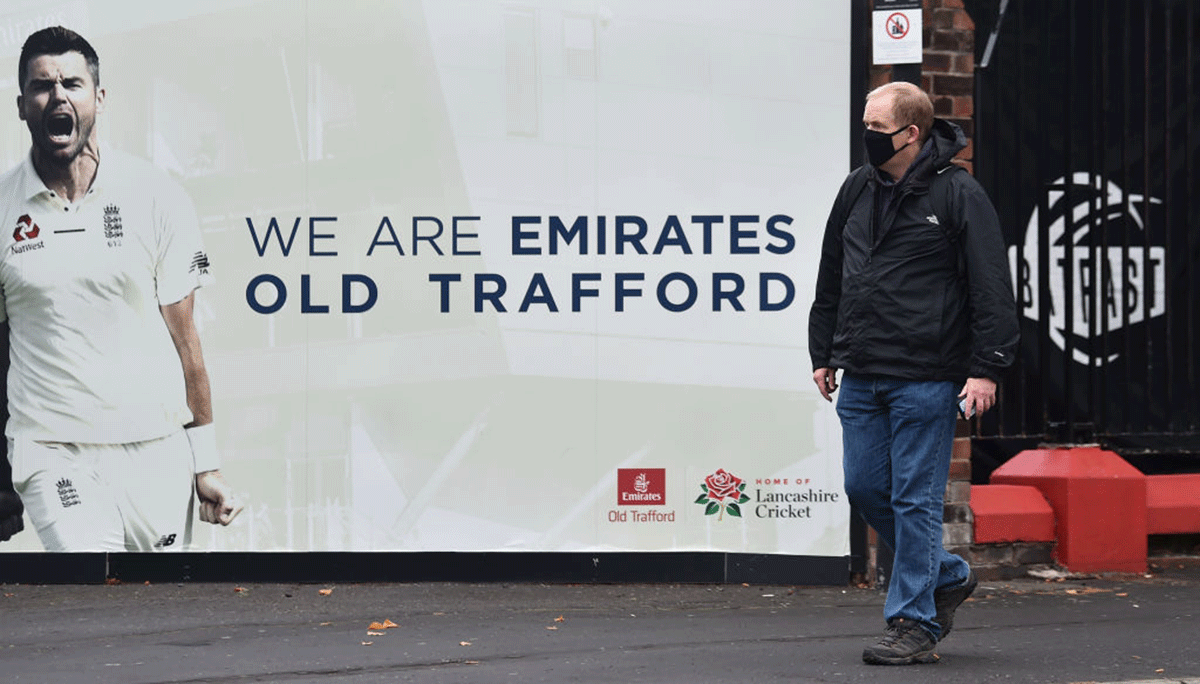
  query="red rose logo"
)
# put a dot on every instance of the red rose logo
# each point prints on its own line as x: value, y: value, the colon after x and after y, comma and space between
x: 723, y: 491
x: 723, y: 485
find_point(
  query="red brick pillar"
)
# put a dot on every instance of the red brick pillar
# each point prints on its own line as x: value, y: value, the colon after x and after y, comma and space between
x: 948, y: 68
x: 958, y: 528
x: 948, y: 75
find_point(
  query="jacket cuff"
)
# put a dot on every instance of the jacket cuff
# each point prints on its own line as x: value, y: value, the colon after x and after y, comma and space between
x: 978, y: 371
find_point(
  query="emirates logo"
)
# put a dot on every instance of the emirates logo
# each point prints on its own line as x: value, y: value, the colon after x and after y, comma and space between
x: 641, y: 486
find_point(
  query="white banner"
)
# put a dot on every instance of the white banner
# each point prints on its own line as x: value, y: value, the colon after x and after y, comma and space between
x: 491, y: 275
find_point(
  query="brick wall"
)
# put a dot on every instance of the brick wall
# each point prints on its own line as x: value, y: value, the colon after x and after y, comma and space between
x: 947, y: 67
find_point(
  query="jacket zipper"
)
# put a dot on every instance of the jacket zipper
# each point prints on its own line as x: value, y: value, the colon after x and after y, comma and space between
x: 892, y: 208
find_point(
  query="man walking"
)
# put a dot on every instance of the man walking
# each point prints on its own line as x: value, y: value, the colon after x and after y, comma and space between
x: 110, y: 428
x: 914, y: 304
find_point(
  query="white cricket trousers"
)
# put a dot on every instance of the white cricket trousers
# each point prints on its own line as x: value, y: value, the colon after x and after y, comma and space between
x: 107, y: 497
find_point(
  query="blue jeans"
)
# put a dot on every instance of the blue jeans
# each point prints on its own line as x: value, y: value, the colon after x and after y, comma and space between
x: 897, y: 437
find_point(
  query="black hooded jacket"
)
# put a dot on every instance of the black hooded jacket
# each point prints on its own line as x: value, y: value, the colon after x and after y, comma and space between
x: 895, y: 297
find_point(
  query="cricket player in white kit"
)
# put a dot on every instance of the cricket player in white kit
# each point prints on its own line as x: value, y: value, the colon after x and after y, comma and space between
x: 110, y: 429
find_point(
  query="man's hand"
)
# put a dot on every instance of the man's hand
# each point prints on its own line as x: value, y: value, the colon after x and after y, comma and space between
x: 979, y: 395
x: 826, y: 379
x: 218, y: 504
x: 11, y: 510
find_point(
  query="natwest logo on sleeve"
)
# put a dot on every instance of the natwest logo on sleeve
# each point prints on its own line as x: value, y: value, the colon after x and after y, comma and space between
x: 641, y: 486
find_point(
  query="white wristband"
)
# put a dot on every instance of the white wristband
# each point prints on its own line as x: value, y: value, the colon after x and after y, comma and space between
x: 203, y: 440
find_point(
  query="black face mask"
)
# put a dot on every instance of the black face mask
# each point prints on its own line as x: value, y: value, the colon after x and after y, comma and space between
x: 879, y: 145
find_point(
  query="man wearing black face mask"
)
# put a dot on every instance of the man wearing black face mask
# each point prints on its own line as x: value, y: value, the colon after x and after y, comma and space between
x: 914, y: 303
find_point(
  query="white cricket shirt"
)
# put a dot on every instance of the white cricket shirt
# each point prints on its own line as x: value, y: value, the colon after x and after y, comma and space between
x: 80, y: 286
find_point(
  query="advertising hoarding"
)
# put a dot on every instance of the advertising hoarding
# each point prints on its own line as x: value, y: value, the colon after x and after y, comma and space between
x: 497, y: 276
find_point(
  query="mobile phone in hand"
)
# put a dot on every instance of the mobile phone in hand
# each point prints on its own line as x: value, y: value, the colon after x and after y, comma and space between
x: 962, y: 409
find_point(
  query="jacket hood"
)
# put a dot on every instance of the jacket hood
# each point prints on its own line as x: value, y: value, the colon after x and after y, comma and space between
x: 948, y: 140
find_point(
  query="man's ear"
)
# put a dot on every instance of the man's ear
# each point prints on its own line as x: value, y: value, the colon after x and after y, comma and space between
x: 20, y: 107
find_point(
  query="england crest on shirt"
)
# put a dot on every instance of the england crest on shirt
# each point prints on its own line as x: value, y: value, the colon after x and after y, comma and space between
x: 113, y: 231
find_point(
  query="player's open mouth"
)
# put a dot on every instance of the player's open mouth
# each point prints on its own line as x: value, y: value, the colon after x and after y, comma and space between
x: 60, y: 126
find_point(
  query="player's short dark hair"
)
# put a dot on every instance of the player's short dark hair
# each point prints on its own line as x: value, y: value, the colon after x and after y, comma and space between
x: 56, y: 40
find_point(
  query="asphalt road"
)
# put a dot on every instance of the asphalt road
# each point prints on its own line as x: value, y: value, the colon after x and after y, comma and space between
x: 1112, y: 629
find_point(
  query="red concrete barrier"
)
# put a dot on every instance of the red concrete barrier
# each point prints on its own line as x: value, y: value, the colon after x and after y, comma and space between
x: 1010, y: 513
x: 1099, y: 502
x: 1173, y: 504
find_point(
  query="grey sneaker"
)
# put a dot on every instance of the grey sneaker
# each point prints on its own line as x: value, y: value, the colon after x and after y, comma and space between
x: 904, y: 642
x: 947, y: 600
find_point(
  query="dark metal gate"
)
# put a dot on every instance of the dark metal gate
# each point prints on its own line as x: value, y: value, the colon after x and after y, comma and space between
x: 1087, y: 132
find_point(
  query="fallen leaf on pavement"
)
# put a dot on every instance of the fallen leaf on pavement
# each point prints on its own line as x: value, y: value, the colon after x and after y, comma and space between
x: 324, y: 592
x: 386, y: 624
x: 367, y: 643
x: 238, y: 590
x: 560, y: 619
x: 464, y: 643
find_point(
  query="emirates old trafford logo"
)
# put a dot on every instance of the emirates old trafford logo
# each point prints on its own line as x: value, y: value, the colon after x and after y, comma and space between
x: 641, y: 497
x: 641, y: 486
x: 723, y: 492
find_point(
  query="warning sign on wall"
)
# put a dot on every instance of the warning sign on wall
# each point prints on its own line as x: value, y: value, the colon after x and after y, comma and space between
x: 896, y: 32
